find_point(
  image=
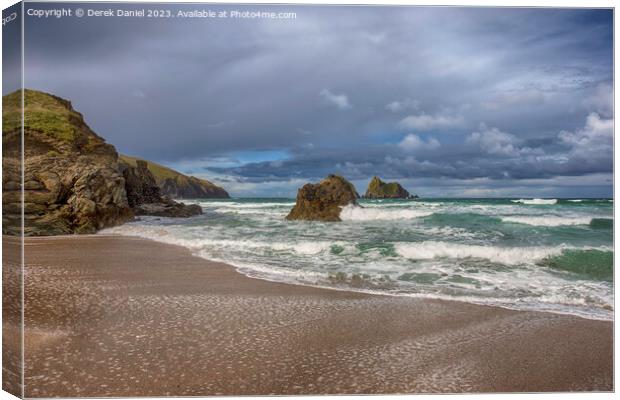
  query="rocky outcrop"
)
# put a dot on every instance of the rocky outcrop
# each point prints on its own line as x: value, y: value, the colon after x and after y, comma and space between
x: 168, y: 208
x: 72, y: 180
x: 144, y: 195
x: 178, y: 186
x: 323, y: 201
x: 140, y: 184
x: 377, y: 189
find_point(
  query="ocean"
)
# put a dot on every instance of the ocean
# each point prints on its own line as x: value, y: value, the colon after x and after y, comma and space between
x: 552, y: 255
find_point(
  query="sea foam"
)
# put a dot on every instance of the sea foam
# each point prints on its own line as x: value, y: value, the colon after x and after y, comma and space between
x: 536, y: 201
x: 548, y: 220
x: 457, y: 242
x: 503, y: 255
x: 356, y: 213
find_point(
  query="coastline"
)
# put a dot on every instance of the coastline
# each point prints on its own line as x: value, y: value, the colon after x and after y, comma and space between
x: 123, y: 316
x: 554, y: 258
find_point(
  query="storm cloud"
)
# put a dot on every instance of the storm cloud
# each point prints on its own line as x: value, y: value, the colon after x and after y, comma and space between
x: 451, y: 101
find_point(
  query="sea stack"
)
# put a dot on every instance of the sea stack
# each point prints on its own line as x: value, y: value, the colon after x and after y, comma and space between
x: 323, y: 201
x: 377, y: 189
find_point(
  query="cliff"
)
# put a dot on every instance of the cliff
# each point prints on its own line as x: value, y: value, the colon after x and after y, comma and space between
x: 72, y: 180
x: 176, y: 185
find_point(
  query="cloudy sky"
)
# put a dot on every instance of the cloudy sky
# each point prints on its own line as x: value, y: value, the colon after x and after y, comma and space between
x: 476, y: 102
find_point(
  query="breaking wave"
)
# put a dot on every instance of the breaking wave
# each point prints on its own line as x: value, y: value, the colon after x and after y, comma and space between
x: 496, y: 251
x: 548, y: 220
x: 356, y: 213
x: 536, y: 201
x: 503, y: 255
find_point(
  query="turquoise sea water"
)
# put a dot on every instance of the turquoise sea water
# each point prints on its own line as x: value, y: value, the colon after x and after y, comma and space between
x: 541, y: 254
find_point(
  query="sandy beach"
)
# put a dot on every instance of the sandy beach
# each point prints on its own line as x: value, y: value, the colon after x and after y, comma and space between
x: 121, y: 316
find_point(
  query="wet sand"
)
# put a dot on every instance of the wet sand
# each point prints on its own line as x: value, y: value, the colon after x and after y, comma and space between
x: 120, y: 316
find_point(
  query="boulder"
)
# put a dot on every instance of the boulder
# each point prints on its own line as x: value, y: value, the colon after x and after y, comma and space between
x: 377, y: 189
x: 323, y: 201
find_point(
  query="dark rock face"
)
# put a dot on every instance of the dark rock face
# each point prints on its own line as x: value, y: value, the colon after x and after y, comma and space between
x: 323, y: 201
x: 140, y: 184
x: 377, y: 189
x: 144, y: 195
x: 71, y: 178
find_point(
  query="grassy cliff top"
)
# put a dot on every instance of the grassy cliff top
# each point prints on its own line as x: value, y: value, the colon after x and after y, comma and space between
x: 162, y: 173
x: 44, y: 113
x: 159, y: 171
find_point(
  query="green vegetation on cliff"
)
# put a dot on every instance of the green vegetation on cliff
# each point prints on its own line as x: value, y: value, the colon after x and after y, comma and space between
x: 45, y: 113
x: 51, y: 125
x: 159, y: 171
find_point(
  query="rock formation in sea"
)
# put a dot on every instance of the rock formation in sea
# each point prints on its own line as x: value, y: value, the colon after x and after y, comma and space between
x: 377, y: 189
x: 175, y: 185
x: 323, y: 201
x: 72, y: 180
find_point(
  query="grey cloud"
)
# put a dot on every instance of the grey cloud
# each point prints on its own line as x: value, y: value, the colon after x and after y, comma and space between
x: 402, y: 105
x: 413, y: 142
x: 339, y: 88
x: 425, y: 122
x: 340, y: 101
x: 601, y: 100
